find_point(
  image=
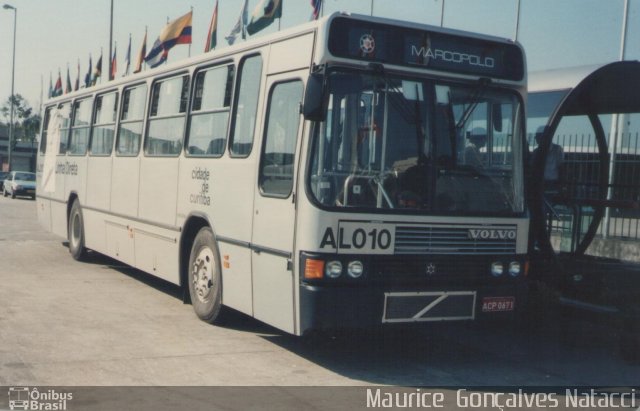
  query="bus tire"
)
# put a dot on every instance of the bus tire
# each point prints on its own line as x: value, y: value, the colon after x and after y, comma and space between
x: 205, y: 277
x: 75, y: 232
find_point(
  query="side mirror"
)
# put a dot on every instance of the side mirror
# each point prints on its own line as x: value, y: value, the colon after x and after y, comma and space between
x: 314, y: 107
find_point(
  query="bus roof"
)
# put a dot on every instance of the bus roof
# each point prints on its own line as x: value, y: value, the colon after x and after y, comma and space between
x: 603, y: 89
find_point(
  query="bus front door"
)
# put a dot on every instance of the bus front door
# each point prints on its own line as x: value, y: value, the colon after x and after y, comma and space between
x: 274, y: 209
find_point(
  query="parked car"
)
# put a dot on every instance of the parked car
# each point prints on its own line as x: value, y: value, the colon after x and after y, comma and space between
x: 20, y: 183
x: 3, y: 176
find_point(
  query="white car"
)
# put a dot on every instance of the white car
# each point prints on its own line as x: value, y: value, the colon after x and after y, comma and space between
x: 20, y: 183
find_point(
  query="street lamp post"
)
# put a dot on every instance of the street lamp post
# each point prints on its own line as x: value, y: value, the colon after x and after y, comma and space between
x: 13, y: 71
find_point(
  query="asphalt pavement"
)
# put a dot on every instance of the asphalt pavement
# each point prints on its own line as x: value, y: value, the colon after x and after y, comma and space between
x: 100, y: 323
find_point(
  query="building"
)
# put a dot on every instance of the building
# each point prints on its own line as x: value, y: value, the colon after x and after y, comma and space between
x: 23, y: 156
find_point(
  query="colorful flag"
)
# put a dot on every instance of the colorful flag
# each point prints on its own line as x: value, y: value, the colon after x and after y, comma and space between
x: 114, y: 64
x: 57, y: 90
x: 239, y: 28
x: 157, y: 55
x: 212, y: 37
x: 68, y: 88
x: 141, y: 54
x: 264, y: 14
x: 317, y: 8
x: 128, y: 58
x: 87, y: 77
x: 98, y: 71
x: 176, y: 32
x: 77, y: 85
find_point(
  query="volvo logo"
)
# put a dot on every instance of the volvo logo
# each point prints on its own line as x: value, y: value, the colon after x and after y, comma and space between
x: 491, y: 234
x: 367, y: 43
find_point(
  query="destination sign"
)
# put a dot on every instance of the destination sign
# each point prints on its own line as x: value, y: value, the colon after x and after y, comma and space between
x: 384, y: 43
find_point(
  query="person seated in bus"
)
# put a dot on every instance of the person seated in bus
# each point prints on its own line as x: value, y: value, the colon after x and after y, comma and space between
x: 553, y: 162
x: 476, y: 139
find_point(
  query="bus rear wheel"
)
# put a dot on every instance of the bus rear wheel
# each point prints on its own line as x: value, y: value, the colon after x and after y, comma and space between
x: 205, y: 277
x: 75, y: 232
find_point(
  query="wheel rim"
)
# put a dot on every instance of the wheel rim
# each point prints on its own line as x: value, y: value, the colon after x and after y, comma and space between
x: 75, y: 230
x: 202, y: 274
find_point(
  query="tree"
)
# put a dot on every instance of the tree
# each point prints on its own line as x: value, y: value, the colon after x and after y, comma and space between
x: 21, y: 108
x: 26, y: 123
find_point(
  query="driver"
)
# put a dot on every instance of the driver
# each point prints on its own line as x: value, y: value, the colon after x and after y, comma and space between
x: 476, y: 139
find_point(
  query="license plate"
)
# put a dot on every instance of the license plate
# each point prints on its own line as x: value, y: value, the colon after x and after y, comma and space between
x: 496, y: 304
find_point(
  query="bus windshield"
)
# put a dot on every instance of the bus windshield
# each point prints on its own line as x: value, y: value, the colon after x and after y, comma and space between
x: 418, y: 145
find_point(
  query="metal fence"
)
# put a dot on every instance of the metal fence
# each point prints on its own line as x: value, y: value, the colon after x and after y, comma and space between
x: 569, y: 220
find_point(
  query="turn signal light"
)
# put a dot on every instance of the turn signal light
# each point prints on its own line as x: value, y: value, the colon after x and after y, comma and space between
x: 313, y: 269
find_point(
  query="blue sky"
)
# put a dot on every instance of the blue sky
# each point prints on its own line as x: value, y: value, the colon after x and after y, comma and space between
x: 54, y: 34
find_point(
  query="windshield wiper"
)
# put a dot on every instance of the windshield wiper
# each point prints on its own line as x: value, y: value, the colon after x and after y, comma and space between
x: 475, y: 99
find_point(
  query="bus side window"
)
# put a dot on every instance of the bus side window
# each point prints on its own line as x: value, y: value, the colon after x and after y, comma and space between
x: 65, y: 116
x: 81, y: 118
x: 246, y: 106
x: 167, y: 116
x: 130, y: 128
x: 279, y: 147
x: 45, y: 126
x: 207, y: 134
x: 104, y: 124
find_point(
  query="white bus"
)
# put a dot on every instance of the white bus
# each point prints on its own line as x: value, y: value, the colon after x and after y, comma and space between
x: 348, y: 172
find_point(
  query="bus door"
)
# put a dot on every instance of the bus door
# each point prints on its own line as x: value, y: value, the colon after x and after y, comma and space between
x: 274, y: 206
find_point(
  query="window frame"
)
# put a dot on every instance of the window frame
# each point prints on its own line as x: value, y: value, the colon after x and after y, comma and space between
x: 148, y: 119
x: 120, y: 121
x: 72, y: 127
x: 94, y: 124
x: 42, y: 146
x: 187, y: 137
x: 68, y: 129
x: 265, y: 131
x: 234, y: 109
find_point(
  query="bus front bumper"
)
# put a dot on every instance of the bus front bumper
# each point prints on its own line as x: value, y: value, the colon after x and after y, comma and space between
x: 330, y: 307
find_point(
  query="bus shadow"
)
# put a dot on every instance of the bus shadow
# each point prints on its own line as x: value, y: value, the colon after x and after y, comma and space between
x: 95, y: 258
x: 559, y: 353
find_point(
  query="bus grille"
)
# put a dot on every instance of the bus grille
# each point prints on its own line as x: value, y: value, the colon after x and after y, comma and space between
x: 451, y: 240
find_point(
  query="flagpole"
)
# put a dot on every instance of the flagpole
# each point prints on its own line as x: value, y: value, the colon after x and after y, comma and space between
x: 192, y: 34
x: 371, y: 8
x: 126, y: 71
x: 110, y: 38
x: 111, y: 60
x: 167, y: 59
x: 515, y: 37
x: 442, y: 15
x: 41, y: 94
x: 144, y: 62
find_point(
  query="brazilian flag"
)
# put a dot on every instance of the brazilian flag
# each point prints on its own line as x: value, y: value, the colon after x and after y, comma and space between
x: 264, y: 14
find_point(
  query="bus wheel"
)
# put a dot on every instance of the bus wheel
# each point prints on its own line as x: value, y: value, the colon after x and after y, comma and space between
x: 205, y: 278
x: 75, y: 232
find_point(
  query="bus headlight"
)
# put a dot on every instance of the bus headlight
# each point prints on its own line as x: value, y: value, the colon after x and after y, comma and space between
x: 497, y: 269
x: 355, y: 269
x: 514, y: 268
x: 333, y: 269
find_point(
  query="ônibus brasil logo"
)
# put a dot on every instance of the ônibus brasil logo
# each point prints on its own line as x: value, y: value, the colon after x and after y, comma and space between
x: 25, y: 398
